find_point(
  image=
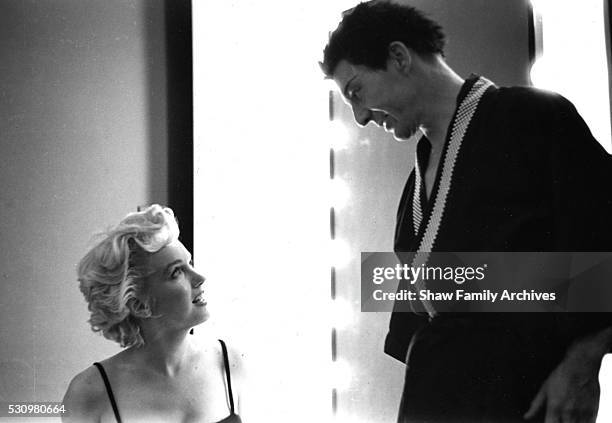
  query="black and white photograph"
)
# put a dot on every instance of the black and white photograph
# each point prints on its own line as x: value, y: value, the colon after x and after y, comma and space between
x: 326, y: 211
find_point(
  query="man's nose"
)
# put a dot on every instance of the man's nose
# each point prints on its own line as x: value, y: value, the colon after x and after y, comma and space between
x: 362, y: 115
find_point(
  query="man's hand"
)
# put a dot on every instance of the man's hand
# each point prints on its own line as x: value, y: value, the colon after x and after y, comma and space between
x: 571, y: 393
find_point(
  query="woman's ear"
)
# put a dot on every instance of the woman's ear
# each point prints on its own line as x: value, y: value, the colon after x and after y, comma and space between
x: 399, y: 57
x: 140, y: 306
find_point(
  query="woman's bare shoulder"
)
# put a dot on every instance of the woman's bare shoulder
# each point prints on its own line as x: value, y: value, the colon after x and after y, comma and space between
x: 86, y: 397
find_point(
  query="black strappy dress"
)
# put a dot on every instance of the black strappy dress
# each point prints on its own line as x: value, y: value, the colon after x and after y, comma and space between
x: 232, y: 418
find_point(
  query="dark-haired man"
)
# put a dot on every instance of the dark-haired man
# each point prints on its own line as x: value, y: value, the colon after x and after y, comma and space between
x: 498, y: 169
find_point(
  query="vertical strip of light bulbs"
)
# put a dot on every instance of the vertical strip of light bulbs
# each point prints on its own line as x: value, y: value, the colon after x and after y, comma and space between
x: 340, y: 310
x: 332, y: 234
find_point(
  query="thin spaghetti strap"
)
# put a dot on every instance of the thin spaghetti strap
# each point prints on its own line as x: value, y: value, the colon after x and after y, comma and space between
x: 109, y: 391
x: 227, y: 375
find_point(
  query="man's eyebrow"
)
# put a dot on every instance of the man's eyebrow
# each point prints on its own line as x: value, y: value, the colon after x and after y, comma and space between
x: 345, y: 90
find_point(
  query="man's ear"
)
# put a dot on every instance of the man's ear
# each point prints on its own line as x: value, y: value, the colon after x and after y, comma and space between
x: 399, y: 56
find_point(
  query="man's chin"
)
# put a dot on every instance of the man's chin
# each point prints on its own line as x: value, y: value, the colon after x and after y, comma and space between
x: 404, y: 136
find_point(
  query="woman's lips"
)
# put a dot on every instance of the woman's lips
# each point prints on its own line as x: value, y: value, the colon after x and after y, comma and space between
x: 199, y: 299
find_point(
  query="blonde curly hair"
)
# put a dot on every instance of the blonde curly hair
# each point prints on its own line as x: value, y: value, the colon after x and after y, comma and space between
x: 112, y: 273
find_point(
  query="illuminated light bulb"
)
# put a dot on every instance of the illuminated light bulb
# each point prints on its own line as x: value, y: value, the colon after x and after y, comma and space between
x: 339, y: 193
x: 341, y: 375
x: 341, y: 313
x: 330, y: 85
x: 339, y: 253
x: 338, y: 135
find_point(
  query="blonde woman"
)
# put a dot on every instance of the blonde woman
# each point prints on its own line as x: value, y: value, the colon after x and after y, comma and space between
x: 144, y: 293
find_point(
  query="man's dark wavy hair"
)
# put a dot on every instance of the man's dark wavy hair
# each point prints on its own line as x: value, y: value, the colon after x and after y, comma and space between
x: 365, y: 32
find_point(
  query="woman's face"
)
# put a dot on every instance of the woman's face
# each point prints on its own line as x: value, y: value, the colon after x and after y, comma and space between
x: 174, y: 288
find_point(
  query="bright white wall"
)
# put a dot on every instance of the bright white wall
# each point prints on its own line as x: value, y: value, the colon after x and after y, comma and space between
x: 261, y: 195
x: 82, y: 132
x: 262, y: 146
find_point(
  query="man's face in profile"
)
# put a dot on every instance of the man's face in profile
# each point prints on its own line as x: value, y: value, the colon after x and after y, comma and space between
x: 378, y: 96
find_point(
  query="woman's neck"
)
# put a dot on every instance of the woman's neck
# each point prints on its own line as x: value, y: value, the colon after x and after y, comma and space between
x: 164, y: 351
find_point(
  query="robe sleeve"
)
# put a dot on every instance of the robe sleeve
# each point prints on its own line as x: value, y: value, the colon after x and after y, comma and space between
x: 581, y: 174
x: 582, y: 183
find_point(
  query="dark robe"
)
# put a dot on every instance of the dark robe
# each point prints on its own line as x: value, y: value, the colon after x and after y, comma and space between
x: 529, y: 176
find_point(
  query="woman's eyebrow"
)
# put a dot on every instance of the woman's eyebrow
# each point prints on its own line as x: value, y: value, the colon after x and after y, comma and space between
x: 172, y: 263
